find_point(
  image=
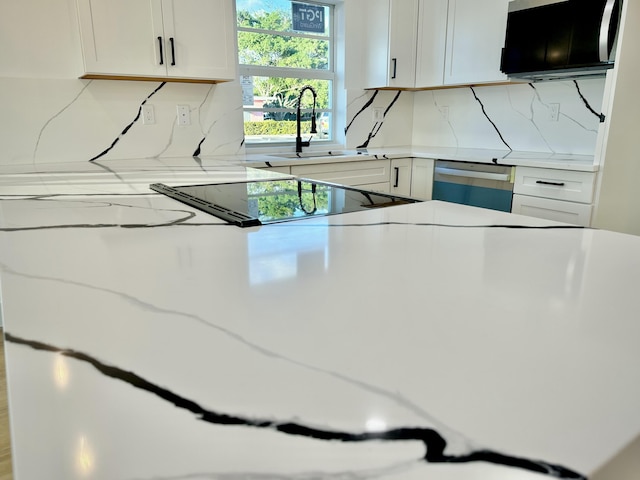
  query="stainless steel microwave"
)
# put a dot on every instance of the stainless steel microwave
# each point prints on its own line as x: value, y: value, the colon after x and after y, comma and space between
x: 560, y: 38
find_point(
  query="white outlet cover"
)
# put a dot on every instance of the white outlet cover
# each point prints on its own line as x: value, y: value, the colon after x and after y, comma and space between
x: 184, y: 115
x: 554, y: 111
x: 148, y: 115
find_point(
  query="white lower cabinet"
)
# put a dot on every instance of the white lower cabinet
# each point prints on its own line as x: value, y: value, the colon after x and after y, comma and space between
x: 558, y: 210
x: 422, y: 178
x: 400, y: 181
x: 408, y: 177
x: 374, y: 173
x: 560, y: 195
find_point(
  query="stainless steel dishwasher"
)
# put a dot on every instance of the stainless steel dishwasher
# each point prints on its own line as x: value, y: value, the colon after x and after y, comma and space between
x: 478, y: 184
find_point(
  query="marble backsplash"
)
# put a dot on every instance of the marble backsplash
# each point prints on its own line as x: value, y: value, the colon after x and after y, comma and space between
x: 53, y: 120
x: 516, y: 117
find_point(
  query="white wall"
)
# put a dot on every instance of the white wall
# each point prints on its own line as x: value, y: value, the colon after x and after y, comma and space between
x: 50, y: 115
x: 618, y: 202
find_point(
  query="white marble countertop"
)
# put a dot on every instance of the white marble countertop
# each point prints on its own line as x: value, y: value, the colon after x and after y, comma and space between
x: 146, y: 340
x: 504, y: 157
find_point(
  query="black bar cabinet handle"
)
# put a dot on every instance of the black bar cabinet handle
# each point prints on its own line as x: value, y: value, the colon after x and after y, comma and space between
x: 557, y: 184
x: 397, y: 169
x: 173, y: 52
x: 394, y: 61
x: 161, y: 53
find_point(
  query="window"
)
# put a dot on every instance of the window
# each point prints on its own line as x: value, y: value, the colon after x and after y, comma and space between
x: 284, y: 45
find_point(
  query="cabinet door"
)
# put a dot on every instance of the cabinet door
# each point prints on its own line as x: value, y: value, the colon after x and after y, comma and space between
x: 357, y: 43
x: 200, y: 38
x: 476, y: 31
x: 120, y: 37
x: 400, y: 181
x: 432, y: 41
x: 422, y: 178
x: 549, y: 209
x: 348, y: 173
x: 373, y: 46
x: 388, y: 45
x: 403, y: 39
x: 551, y: 183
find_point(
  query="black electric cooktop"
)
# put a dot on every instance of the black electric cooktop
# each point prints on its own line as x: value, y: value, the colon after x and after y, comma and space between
x: 249, y: 204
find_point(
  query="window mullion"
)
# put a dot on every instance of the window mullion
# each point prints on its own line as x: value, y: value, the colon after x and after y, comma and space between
x: 285, y: 72
x: 282, y: 33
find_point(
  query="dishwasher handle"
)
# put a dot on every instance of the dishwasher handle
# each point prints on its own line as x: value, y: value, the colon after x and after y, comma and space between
x: 454, y: 172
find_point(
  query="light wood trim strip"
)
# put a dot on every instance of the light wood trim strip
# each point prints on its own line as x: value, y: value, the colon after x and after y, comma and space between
x: 91, y: 76
x: 442, y: 87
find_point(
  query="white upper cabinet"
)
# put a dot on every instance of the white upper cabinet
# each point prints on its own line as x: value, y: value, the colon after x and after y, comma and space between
x: 164, y: 39
x: 425, y: 43
x: 381, y: 40
x: 403, y: 39
x: 475, y: 37
x: 432, y: 42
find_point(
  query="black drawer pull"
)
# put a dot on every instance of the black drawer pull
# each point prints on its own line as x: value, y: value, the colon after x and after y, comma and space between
x: 161, y: 53
x: 556, y: 184
x: 397, y: 169
x: 394, y: 61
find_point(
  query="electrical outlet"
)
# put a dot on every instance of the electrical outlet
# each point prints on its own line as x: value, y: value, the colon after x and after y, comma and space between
x: 148, y: 115
x: 378, y: 114
x: 184, y: 115
x: 554, y: 111
x: 444, y: 111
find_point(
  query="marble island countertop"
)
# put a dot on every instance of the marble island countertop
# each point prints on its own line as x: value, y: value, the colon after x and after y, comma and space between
x: 147, y: 340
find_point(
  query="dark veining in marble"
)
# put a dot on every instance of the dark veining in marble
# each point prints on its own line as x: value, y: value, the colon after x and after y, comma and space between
x: 364, y: 107
x: 419, y: 224
x: 378, y: 125
x: 110, y: 170
x: 488, y: 118
x: 35, y: 150
x: 181, y: 222
x: 126, y: 129
x: 186, y: 215
x: 199, y: 163
x: 395, y: 397
x: 197, y: 151
x: 600, y: 116
x: 434, y: 443
x: 16, y: 196
x: 175, y: 223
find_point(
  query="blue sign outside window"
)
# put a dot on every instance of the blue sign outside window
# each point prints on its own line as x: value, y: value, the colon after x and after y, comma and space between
x: 307, y: 18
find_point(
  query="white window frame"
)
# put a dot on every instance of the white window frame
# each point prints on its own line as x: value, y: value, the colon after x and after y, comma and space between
x: 311, y: 74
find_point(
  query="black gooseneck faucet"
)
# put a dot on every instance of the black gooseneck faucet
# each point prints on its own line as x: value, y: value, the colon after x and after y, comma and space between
x: 299, y: 142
